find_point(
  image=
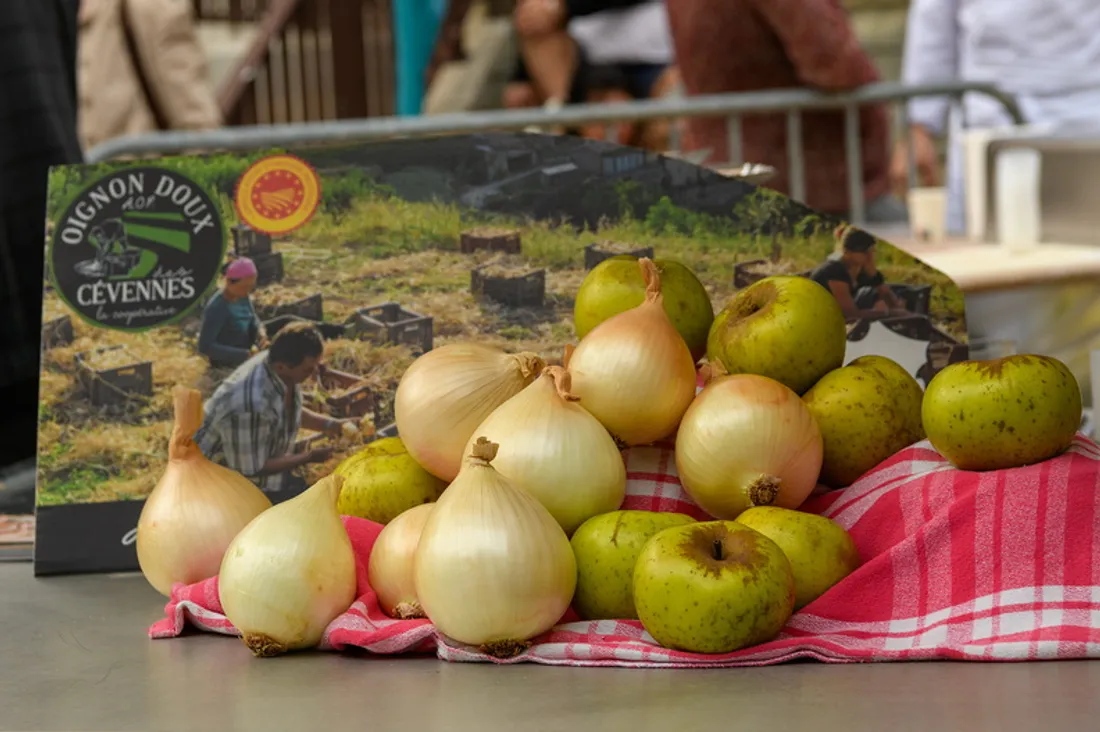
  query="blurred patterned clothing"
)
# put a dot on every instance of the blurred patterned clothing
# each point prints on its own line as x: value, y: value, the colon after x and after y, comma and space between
x: 726, y: 46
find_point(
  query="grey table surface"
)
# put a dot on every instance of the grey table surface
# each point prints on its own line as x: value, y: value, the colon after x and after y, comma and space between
x: 75, y: 656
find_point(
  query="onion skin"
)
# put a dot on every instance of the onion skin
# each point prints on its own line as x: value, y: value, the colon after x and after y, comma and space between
x: 290, y: 573
x: 616, y: 285
x: 633, y: 372
x: 446, y: 393
x: 195, y: 510
x: 390, y: 568
x: 551, y: 447
x: 748, y: 441
x: 493, y: 568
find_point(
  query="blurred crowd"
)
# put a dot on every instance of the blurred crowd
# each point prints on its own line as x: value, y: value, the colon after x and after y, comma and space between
x: 74, y: 73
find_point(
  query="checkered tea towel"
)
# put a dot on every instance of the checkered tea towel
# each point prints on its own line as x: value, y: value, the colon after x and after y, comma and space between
x: 957, y: 565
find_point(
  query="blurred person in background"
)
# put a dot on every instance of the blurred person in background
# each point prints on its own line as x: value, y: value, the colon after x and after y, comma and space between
x: 141, y: 69
x: 37, y: 130
x: 725, y: 46
x: 593, y: 51
x: 1046, y: 53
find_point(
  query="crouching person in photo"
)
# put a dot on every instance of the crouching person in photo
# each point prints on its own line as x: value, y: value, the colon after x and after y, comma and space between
x: 252, y: 420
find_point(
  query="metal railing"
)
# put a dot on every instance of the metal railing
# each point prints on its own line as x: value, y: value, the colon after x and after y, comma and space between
x: 793, y: 102
x: 733, y: 106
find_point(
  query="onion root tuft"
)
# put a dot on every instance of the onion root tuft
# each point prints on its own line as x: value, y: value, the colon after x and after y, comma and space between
x: 505, y: 648
x: 409, y: 611
x: 263, y: 646
x: 764, y: 490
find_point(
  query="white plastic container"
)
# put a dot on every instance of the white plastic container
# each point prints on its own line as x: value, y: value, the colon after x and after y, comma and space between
x: 1016, y: 191
x: 928, y: 214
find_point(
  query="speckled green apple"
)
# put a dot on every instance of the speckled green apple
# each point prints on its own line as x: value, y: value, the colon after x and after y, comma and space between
x: 1004, y: 413
x: 616, y: 285
x: 606, y: 548
x: 713, y: 587
x: 908, y: 394
x: 382, y: 481
x: 820, y: 551
x: 787, y: 328
x: 867, y: 411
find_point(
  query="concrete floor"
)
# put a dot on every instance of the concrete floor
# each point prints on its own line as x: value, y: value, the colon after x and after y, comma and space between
x: 75, y: 656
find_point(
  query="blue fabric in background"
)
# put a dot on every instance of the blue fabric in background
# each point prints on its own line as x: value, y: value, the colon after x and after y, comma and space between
x: 415, y: 27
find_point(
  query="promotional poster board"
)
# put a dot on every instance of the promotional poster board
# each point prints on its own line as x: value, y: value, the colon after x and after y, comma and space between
x: 391, y: 249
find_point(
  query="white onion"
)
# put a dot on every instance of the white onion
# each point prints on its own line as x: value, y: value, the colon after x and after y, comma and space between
x: 748, y: 441
x: 196, y: 508
x: 290, y: 572
x: 634, y: 371
x: 390, y: 568
x: 554, y: 449
x: 446, y: 394
x: 493, y: 568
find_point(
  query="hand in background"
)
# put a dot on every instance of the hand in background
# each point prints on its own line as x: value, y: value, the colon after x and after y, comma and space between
x: 925, y: 159
x: 319, y: 454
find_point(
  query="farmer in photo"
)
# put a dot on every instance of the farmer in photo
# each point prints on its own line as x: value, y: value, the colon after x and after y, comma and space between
x: 230, y: 326
x: 853, y: 278
x: 252, y: 420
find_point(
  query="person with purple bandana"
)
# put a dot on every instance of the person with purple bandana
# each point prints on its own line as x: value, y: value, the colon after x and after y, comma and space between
x: 230, y: 326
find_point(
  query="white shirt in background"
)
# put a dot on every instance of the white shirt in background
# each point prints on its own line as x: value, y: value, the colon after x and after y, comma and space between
x: 636, y: 35
x: 1044, y: 52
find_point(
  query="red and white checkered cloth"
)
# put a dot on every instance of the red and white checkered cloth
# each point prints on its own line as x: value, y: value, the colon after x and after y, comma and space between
x: 957, y: 565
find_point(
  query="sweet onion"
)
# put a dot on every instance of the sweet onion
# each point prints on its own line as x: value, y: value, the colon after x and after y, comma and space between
x: 446, y: 394
x: 196, y: 508
x: 748, y: 441
x: 634, y: 371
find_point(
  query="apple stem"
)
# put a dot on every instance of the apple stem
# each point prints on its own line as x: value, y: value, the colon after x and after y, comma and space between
x: 717, y: 550
x: 764, y: 490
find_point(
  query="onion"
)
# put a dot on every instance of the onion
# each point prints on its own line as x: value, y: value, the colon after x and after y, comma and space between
x: 748, y: 441
x: 634, y: 371
x: 196, y: 508
x: 493, y: 568
x: 290, y: 572
x: 446, y: 394
x: 556, y: 451
x: 390, y: 568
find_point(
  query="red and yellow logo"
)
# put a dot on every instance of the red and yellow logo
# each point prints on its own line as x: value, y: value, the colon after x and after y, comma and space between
x: 278, y: 194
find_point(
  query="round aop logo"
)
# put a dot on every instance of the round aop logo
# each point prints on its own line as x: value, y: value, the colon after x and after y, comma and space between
x: 278, y: 194
x: 138, y: 248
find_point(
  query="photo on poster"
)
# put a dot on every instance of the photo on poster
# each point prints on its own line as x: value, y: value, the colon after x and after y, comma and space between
x: 186, y: 270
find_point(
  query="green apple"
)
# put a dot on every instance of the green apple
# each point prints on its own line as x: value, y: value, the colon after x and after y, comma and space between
x: 821, y: 552
x: 616, y: 285
x: 606, y: 548
x: 908, y: 394
x: 867, y: 411
x: 787, y: 328
x: 1003, y: 413
x: 713, y: 587
x: 382, y: 481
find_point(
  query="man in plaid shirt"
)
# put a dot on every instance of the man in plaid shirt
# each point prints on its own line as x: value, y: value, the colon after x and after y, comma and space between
x: 253, y: 418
